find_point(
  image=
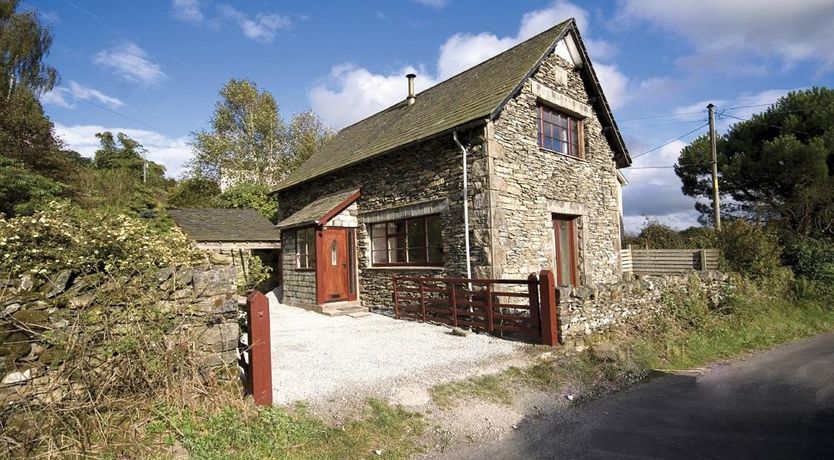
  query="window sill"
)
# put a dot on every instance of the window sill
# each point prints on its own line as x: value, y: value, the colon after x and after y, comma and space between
x: 408, y: 267
x: 303, y: 269
x: 556, y: 152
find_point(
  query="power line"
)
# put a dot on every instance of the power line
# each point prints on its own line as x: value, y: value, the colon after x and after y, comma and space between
x: 677, y: 114
x: 751, y: 120
x: 669, y: 142
x: 667, y: 166
x: 127, y: 117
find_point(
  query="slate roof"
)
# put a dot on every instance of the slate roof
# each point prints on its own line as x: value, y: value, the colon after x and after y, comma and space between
x: 314, y: 212
x: 224, y: 225
x: 475, y: 94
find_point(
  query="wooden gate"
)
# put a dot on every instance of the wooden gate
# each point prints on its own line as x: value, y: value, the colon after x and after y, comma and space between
x: 512, y: 308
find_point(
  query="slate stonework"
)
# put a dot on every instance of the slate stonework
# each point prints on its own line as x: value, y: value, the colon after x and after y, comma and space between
x: 514, y: 189
x: 530, y: 184
x: 299, y: 285
x: 428, y: 171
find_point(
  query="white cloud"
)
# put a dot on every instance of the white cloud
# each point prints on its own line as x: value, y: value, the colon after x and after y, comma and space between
x: 360, y: 93
x: 351, y: 93
x: 462, y: 51
x: 171, y: 152
x: 79, y: 91
x: 56, y: 98
x: 433, y: 3
x: 131, y: 63
x: 187, y: 10
x: 735, y: 35
x: 262, y: 28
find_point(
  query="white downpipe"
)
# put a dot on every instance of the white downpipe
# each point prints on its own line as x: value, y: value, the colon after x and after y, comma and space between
x: 465, y: 208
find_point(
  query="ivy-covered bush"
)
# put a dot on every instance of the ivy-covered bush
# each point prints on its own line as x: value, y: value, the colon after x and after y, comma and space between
x: 65, y: 236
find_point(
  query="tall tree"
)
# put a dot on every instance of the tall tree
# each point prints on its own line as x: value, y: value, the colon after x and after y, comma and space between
x: 24, y: 43
x: 776, y: 166
x: 307, y: 133
x: 248, y: 138
x: 249, y: 141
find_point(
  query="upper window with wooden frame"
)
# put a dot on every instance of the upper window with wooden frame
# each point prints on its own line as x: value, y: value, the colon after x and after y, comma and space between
x: 305, y: 248
x: 559, y: 132
x: 415, y: 241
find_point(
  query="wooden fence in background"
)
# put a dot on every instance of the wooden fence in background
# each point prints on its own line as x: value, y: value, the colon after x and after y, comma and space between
x: 668, y: 261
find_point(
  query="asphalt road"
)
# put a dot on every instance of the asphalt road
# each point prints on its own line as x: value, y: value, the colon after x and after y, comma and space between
x: 775, y: 404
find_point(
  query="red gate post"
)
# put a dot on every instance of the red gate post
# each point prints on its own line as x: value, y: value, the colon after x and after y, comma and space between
x: 548, y: 305
x: 260, y: 356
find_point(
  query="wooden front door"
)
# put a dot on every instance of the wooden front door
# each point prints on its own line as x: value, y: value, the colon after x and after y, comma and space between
x: 332, y: 265
x: 564, y: 231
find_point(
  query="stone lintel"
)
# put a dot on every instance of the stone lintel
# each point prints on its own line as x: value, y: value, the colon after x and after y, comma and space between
x: 560, y: 101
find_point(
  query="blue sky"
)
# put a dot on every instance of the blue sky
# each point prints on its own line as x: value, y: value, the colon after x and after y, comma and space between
x: 152, y: 69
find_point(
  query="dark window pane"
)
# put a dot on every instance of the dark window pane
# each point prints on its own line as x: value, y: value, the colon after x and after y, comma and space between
x: 435, y: 239
x: 416, y: 254
x: 416, y: 233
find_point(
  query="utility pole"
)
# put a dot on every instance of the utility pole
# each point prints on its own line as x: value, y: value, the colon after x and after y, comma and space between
x: 716, y: 204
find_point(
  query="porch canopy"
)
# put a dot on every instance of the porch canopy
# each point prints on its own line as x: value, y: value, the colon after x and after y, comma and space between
x: 220, y: 228
x: 321, y: 211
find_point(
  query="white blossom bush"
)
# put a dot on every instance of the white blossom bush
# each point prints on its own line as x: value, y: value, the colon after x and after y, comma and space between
x: 65, y: 236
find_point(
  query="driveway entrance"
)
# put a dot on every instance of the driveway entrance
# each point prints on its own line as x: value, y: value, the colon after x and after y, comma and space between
x: 317, y: 357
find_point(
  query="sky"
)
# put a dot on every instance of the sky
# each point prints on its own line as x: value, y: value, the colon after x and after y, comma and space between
x: 153, y: 69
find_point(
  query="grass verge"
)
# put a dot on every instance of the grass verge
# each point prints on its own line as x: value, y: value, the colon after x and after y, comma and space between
x: 692, y: 332
x: 383, y: 431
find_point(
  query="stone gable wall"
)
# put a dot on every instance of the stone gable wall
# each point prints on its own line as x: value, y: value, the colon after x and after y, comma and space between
x: 529, y: 184
x: 428, y: 171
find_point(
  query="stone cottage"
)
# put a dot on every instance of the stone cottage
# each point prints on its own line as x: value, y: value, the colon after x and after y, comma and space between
x: 386, y: 195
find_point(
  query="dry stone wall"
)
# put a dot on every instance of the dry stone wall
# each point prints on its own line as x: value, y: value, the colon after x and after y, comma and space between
x: 586, y: 311
x: 31, y: 310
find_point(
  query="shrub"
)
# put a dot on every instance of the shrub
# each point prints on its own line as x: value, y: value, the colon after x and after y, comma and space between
x: 810, y: 258
x: 64, y: 236
x: 248, y: 195
x: 750, y: 249
x: 657, y: 236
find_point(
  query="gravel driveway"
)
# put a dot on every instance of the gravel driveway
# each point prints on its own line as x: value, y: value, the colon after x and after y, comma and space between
x: 318, y: 357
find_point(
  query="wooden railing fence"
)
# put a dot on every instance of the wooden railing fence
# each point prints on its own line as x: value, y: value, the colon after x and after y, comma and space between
x: 515, y: 308
x: 668, y: 261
